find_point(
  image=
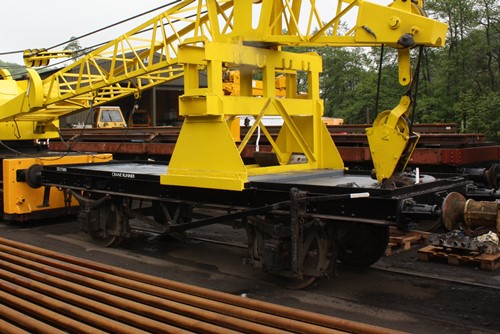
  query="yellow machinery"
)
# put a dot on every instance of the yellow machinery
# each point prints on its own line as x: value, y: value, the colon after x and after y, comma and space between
x: 205, y: 37
x: 24, y: 199
x: 108, y: 117
x: 232, y: 84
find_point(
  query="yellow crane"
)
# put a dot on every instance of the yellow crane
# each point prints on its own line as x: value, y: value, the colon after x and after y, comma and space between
x: 302, y: 211
x: 208, y: 36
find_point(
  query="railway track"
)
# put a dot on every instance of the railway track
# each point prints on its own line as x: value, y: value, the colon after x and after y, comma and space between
x: 48, y: 292
x: 226, y: 240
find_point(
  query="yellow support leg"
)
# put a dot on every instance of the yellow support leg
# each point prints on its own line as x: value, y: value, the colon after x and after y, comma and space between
x: 205, y: 156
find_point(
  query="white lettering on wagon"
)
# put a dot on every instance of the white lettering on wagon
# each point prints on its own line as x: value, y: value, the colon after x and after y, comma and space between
x: 123, y: 175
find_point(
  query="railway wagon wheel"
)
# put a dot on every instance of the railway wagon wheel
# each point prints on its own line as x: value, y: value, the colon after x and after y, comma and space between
x: 363, y: 244
x: 315, y: 260
x: 112, y: 222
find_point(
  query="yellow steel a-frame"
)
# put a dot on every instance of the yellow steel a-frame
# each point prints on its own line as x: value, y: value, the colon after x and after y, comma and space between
x: 206, y: 154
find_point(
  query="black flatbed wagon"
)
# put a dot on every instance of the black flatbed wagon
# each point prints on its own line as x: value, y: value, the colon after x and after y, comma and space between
x: 298, y: 224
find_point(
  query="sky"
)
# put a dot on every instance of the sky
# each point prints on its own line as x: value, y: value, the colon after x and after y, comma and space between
x: 33, y: 24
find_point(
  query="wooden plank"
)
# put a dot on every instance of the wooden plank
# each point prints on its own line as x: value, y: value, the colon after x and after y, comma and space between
x: 489, y: 262
x: 400, y: 241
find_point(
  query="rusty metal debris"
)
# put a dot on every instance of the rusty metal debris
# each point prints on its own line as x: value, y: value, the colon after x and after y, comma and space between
x: 485, y: 243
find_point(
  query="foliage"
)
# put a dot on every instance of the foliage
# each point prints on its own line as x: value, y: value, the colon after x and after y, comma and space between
x: 480, y: 113
x: 74, y: 45
x: 15, y: 69
x: 467, y: 74
x: 459, y: 83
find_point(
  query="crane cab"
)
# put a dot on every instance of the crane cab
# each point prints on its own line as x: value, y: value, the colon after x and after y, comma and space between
x: 108, y: 117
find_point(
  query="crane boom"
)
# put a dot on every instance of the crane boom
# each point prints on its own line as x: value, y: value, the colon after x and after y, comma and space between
x: 195, y: 36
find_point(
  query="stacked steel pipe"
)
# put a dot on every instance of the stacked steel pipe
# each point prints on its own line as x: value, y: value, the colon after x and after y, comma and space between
x: 48, y: 292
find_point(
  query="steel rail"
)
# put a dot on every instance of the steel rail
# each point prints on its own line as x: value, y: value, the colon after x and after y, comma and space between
x: 435, y: 148
x: 133, y: 301
x: 55, y: 320
x: 353, y: 134
x: 54, y: 288
x: 64, y: 285
x: 23, y: 322
x: 82, y: 277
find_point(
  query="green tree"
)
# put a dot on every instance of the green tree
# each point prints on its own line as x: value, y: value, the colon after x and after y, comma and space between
x: 15, y: 70
x: 74, y: 45
x: 465, y: 88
